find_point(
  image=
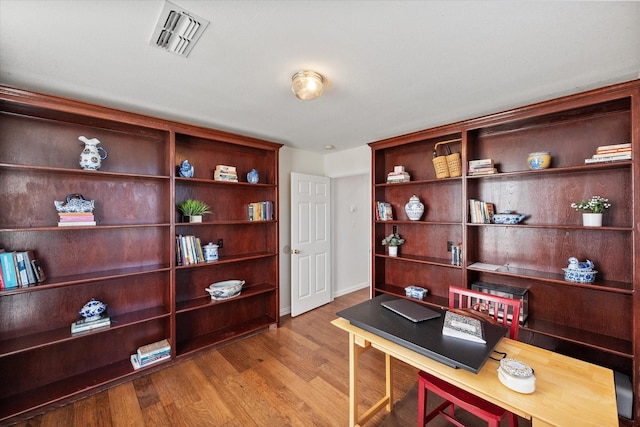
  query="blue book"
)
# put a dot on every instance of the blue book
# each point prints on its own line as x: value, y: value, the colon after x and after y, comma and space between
x: 8, y: 270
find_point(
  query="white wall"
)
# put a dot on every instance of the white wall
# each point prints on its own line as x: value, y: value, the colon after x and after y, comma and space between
x: 350, y: 173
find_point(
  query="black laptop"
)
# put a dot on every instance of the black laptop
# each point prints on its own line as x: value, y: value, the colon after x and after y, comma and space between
x: 411, y: 310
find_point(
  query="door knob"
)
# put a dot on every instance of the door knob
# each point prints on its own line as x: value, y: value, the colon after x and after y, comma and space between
x: 295, y: 251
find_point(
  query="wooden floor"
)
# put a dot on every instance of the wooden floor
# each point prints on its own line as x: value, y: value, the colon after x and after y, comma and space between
x: 296, y: 375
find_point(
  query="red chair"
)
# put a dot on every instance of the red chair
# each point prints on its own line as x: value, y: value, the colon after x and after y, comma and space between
x: 505, y: 311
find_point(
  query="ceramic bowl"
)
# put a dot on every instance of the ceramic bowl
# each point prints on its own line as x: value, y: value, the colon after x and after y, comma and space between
x: 93, y: 310
x: 517, y: 375
x: 507, y: 217
x: 579, y: 276
x: 225, y: 290
x: 539, y: 160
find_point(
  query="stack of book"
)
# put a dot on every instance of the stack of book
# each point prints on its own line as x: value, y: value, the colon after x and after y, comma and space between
x: 83, y: 325
x: 76, y: 219
x: 480, y: 212
x: 611, y: 153
x: 19, y: 269
x: 150, y: 354
x: 260, y: 211
x: 225, y: 173
x: 188, y: 250
x: 481, y: 167
x: 398, y: 175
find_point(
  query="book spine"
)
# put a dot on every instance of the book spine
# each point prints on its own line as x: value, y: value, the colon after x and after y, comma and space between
x: 27, y: 256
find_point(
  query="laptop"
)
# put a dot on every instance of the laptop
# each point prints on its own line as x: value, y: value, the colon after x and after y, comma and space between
x: 411, y: 310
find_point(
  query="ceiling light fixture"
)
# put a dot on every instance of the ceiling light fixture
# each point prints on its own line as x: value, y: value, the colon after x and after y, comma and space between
x: 307, y: 85
x: 177, y: 30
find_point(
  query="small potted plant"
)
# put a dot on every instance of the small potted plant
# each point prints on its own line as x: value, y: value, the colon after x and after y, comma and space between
x: 194, y: 209
x: 592, y: 210
x: 393, y: 240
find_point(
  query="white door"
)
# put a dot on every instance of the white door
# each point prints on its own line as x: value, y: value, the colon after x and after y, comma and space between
x: 310, y: 242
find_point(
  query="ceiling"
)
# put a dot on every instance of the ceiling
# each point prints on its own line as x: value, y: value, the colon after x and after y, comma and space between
x: 392, y: 67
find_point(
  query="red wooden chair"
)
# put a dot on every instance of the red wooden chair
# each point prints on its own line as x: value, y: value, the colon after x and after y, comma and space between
x: 505, y: 311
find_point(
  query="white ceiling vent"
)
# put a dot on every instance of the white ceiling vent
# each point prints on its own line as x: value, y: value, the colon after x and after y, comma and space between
x: 177, y: 30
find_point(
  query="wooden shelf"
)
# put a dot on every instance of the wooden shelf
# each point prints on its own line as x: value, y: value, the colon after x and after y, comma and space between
x: 30, y: 342
x: 224, y: 335
x: 206, y: 301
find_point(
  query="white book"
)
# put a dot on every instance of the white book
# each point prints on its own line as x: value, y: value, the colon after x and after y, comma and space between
x: 76, y: 224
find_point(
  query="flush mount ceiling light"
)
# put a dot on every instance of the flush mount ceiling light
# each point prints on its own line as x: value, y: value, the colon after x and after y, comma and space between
x: 177, y: 30
x: 307, y: 85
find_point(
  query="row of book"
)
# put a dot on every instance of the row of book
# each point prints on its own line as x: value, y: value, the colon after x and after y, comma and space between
x: 76, y: 219
x: 611, y: 153
x: 150, y: 354
x: 480, y: 212
x: 384, y: 212
x: 20, y: 269
x: 481, y: 167
x: 260, y: 211
x: 225, y: 173
x: 188, y: 250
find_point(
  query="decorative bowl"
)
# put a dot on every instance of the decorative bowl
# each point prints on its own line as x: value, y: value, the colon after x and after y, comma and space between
x: 580, y: 272
x: 92, y: 310
x: 75, y: 203
x: 517, y: 375
x: 507, y: 217
x: 539, y: 160
x: 225, y: 290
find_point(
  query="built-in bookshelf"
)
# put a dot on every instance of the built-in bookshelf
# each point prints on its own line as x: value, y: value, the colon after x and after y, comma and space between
x: 589, y: 321
x: 128, y: 258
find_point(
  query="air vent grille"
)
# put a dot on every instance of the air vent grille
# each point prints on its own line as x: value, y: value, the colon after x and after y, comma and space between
x: 177, y: 30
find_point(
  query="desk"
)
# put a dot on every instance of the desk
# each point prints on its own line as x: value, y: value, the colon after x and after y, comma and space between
x: 568, y: 392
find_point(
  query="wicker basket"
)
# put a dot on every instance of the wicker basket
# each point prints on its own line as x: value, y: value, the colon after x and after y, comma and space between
x: 449, y: 165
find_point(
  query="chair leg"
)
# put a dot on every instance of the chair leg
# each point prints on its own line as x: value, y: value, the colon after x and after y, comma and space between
x: 422, y: 403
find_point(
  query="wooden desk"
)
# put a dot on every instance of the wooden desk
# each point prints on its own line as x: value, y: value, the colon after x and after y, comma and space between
x: 569, y: 392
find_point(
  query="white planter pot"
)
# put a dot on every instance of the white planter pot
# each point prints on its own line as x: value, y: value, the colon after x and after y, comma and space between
x: 195, y: 218
x: 393, y: 251
x: 592, y: 219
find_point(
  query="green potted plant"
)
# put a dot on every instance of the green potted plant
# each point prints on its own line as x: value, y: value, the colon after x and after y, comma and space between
x: 194, y: 209
x: 393, y: 240
x: 592, y: 210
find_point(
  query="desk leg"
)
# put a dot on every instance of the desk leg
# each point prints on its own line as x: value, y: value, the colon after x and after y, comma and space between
x: 357, y: 346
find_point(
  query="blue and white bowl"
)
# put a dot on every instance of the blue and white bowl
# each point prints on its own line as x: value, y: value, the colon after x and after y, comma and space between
x: 579, y: 276
x: 225, y: 290
x: 507, y: 217
x: 92, y: 310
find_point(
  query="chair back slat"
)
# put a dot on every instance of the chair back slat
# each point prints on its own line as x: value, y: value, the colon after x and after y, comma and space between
x: 499, y: 308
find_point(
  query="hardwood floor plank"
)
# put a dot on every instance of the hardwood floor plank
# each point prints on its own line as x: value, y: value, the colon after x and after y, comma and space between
x: 125, y: 409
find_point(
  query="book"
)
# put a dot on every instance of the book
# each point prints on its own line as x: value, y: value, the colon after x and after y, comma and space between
x: 22, y: 269
x: 614, y: 147
x: 38, y: 271
x: 225, y: 168
x: 463, y: 327
x: 27, y: 257
x: 76, y: 223
x: 77, y: 218
x: 153, y: 348
x: 611, y: 158
x: 135, y: 362
x: 621, y: 153
x: 83, y: 325
x: 8, y: 270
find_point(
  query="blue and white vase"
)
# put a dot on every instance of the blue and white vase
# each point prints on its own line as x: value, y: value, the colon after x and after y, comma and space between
x: 414, y: 208
x: 253, y: 176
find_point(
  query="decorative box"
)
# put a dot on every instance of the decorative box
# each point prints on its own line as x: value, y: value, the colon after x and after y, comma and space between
x: 415, y: 292
x: 506, y: 292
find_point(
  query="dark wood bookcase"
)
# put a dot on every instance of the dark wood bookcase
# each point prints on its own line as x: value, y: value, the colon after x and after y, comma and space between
x: 128, y: 259
x: 597, y: 322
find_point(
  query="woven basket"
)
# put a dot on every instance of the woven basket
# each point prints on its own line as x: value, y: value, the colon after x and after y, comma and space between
x: 449, y: 165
